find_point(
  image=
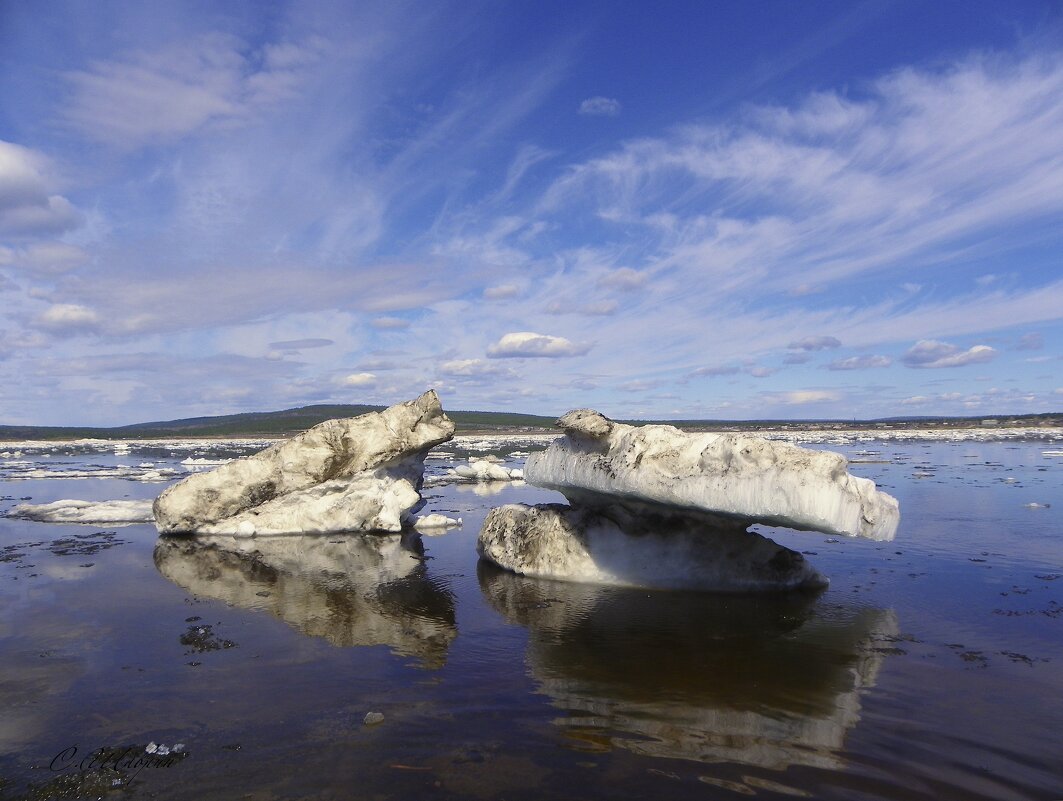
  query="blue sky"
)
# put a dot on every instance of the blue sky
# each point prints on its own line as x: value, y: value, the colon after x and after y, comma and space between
x: 672, y: 210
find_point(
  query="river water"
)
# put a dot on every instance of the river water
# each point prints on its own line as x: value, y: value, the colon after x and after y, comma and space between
x: 133, y: 667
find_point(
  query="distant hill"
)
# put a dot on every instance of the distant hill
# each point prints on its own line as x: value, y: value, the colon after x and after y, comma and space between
x: 264, y: 424
x: 291, y: 421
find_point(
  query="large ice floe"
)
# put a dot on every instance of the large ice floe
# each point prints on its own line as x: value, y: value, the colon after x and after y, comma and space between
x: 356, y: 474
x: 652, y: 506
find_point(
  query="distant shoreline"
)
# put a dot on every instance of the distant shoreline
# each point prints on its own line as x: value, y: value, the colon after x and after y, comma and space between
x: 838, y: 433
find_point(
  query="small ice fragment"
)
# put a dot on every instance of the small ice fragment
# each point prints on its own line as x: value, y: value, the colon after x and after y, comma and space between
x: 1036, y: 505
x: 436, y: 521
x: 372, y: 718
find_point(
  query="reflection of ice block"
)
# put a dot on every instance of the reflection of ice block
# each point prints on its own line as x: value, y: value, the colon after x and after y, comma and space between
x: 768, y: 681
x: 368, y: 590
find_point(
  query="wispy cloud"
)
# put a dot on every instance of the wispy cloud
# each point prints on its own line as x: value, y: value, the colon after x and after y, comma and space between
x: 150, y: 96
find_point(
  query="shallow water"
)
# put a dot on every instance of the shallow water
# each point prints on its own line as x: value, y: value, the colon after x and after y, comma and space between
x: 930, y: 669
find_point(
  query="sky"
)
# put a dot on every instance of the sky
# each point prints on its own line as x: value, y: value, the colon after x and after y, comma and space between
x: 671, y: 210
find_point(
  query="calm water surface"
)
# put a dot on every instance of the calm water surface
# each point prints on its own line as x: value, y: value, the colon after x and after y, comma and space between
x: 931, y: 668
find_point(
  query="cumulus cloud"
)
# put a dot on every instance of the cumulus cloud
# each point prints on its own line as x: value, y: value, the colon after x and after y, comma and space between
x: 929, y: 353
x: 523, y: 344
x: 600, y: 107
x: 359, y: 380
x: 28, y: 206
x: 815, y: 343
x: 860, y: 363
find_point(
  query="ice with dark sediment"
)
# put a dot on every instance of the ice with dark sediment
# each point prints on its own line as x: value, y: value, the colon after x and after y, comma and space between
x: 356, y: 474
x: 653, y: 506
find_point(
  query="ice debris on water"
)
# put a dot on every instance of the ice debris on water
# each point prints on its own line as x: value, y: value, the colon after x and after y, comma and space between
x: 372, y: 718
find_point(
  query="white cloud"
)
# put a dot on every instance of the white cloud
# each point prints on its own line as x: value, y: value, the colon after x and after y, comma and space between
x: 524, y: 344
x: 800, y: 397
x: 359, y: 380
x: 815, y: 343
x: 600, y: 107
x: 68, y: 317
x: 28, y: 206
x: 929, y: 353
x: 468, y: 368
x: 860, y: 363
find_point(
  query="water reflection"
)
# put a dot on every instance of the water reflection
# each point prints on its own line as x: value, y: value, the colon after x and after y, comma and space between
x: 351, y: 590
x: 763, y: 681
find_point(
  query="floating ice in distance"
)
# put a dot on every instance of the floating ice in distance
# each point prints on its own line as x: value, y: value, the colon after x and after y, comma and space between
x: 89, y: 512
x: 485, y: 469
x: 435, y: 523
